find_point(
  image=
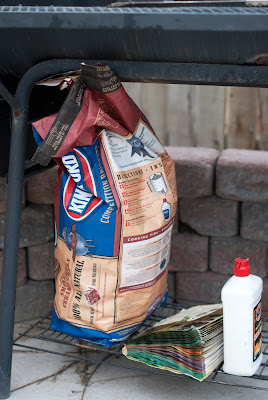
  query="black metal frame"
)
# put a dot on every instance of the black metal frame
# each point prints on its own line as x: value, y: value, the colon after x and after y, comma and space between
x: 231, y: 75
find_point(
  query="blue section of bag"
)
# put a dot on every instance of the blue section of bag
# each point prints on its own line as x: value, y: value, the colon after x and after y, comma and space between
x: 93, y: 215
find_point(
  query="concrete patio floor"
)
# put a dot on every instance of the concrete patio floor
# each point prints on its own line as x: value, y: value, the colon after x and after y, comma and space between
x: 42, y: 375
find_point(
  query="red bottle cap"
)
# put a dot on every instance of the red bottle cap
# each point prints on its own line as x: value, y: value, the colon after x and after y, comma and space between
x: 242, y: 267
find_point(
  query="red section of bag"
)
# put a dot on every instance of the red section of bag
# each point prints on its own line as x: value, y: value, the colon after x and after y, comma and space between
x: 114, y: 111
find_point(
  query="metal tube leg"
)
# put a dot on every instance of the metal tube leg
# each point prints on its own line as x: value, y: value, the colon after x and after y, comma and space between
x: 11, y: 245
x: 13, y: 213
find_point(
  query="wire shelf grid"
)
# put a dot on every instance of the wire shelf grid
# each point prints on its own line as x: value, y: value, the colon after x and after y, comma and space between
x: 41, y: 332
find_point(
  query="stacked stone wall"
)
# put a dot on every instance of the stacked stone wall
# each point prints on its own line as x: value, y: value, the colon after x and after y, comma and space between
x: 222, y: 215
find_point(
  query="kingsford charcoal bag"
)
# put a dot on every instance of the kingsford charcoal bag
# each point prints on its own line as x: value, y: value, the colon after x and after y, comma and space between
x: 115, y: 202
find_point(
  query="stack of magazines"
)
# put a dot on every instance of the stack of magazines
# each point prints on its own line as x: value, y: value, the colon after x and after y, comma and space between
x: 190, y: 342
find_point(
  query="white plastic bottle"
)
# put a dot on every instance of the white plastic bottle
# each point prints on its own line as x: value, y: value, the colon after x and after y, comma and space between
x: 166, y: 208
x: 241, y: 298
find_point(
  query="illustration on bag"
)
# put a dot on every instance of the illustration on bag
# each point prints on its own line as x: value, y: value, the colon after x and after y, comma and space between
x: 158, y: 183
x: 166, y: 208
x: 115, y: 202
x: 76, y: 242
x: 138, y: 147
x: 92, y: 296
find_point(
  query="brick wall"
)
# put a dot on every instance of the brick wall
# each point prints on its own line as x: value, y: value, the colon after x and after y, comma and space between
x: 223, y: 214
x: 35, y: 285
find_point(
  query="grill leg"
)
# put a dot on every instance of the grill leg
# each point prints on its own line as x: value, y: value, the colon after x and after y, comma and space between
x: 11, y: 245
x: 14, y: 204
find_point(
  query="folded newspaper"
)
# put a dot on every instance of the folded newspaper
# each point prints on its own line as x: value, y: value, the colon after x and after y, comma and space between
x: 190, y: 342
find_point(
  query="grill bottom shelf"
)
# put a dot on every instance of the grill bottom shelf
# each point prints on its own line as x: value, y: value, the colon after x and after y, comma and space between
x: 39, y: 337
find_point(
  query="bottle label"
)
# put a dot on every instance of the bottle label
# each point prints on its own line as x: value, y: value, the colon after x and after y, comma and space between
x: 166, y: 214
x: 257, y: 328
